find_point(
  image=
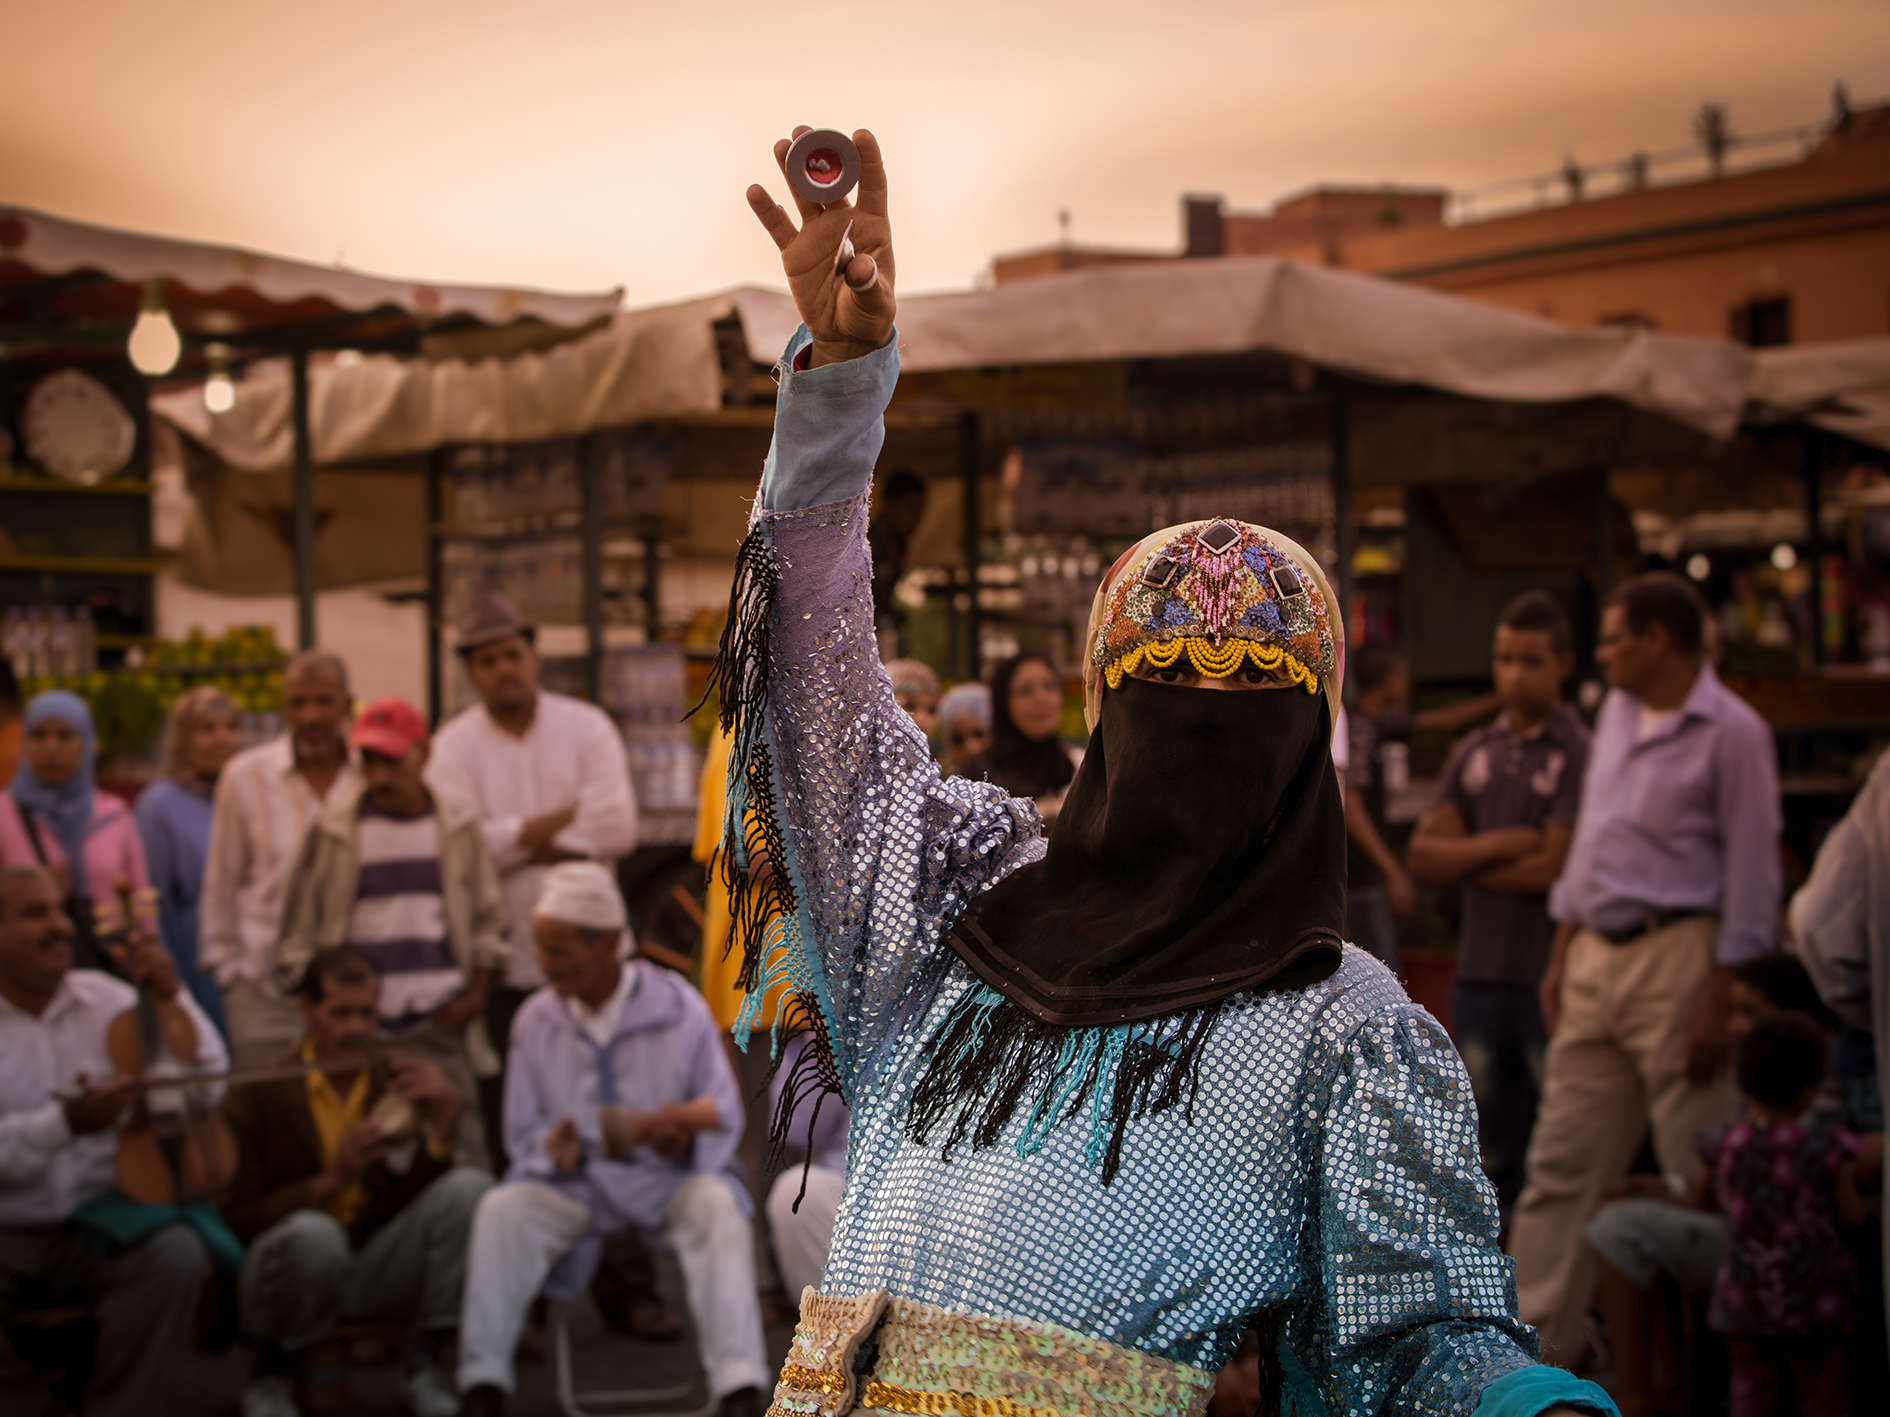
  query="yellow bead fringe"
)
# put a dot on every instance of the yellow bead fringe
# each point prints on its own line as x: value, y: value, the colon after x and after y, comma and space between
x: 1215, y: 661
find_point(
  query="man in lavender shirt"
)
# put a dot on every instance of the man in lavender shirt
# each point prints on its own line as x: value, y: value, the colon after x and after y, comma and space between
x: 1671, y: 882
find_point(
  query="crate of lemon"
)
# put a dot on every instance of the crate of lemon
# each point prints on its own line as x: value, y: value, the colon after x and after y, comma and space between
x: 130, y: 704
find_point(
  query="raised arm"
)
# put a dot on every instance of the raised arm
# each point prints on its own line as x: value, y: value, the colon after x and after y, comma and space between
x: 873, y: 855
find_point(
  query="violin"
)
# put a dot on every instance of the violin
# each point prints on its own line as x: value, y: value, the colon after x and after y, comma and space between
x: 172, y: 1149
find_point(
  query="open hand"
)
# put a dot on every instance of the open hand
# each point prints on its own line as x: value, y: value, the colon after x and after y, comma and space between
x: 847, y: 317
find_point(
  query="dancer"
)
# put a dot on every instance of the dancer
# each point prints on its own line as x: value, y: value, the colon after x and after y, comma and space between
x: 1116, y: 1100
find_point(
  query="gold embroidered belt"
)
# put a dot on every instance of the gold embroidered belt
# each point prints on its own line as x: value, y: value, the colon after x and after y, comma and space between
x: 879, y: 1353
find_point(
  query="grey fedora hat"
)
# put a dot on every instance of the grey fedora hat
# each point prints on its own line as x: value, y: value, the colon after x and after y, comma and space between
x: 489, y: 619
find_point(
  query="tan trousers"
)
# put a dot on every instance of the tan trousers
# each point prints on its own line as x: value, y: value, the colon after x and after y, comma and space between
x: 262, y: 1028
x: 1616, y: 1064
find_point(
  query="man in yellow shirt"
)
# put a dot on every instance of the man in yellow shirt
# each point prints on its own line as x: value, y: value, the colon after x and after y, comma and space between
x: 347, y: 1196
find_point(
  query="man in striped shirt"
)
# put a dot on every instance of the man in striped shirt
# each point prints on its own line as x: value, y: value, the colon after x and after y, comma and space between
x: 401, y: 872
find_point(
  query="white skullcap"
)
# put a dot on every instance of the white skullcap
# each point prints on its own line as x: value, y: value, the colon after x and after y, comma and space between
x: 584, y: 894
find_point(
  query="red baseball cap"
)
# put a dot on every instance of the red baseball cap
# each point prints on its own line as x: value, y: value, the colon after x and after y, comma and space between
x: 390, y: 727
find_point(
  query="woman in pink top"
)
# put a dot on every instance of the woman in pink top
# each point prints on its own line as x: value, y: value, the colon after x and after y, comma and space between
x: 55, y: 814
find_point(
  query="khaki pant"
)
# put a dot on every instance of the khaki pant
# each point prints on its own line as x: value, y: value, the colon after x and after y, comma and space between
x: 1616, y: 1063
x: 262, y: 1028
x: 302, y: 1276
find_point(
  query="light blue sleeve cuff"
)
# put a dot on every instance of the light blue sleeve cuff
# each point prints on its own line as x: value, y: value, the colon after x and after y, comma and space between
x: 1526, y: 1392
x: 829, y: 426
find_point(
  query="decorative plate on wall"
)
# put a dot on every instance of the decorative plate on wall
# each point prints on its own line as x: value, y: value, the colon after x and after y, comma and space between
x: 76, y: 429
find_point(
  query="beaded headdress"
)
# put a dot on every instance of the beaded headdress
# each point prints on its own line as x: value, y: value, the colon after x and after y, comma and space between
x: 1225, y: 594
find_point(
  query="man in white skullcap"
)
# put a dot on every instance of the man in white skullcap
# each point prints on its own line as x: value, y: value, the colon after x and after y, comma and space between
x: 621, y: 1112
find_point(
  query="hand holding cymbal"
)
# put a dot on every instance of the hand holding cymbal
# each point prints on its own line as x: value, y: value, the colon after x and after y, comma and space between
x: 846, y: 301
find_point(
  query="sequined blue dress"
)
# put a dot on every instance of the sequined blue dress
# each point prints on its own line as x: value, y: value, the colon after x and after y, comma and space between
x: 1331, y: 1166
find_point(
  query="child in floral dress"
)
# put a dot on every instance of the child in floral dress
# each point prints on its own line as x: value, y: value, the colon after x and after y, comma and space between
x: 1785, y: 1181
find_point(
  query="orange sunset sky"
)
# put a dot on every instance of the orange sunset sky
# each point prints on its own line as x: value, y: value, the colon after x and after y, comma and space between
x: 578, y: 145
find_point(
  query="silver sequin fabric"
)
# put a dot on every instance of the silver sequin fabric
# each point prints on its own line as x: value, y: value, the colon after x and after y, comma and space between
x: 1331, y: 1163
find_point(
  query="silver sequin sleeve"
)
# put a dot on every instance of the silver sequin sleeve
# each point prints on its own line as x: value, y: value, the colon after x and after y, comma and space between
x: 885, y: 851
x: 1418, y: 1309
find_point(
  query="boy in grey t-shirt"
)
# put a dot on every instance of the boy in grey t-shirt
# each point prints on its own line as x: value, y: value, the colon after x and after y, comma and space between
x: 1501, y: 824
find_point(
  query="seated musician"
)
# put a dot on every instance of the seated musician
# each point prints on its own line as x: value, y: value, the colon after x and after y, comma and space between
x: 349, y: 1201
x: 621, y: 1112
x: 58, y: 1193
x: 401, y: 871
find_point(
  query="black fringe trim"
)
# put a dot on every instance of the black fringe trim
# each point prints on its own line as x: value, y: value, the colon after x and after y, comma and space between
x: 986, y: 1061
x: 1268, y: 1326
x: 813, y: 1078
x: 752, y: 860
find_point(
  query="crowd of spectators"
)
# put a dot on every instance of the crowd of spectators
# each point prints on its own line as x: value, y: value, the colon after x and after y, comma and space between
x: 475, y: 1093
x: 364, y: 918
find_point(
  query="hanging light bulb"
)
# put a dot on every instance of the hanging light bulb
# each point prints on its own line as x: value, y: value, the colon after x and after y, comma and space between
x: 154, y: 346
x: 219, y: 390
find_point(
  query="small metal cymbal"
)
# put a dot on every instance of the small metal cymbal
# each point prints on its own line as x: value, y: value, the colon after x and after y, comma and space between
x: 823, y: 166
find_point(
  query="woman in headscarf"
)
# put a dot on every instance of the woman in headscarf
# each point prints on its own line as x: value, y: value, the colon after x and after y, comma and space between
x: 964, y: 727
x: 1026, y: 758
x: 205, y: 731
x: 56, y: 815
x: 915, y: 689
x: 1115, y: 1100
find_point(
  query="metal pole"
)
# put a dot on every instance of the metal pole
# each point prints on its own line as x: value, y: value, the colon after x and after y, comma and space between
x: 1341, y: 438
x: 1814, y: 445
x: 968, y: 451
x: 303, y: 478
x: 591, y: 554
x: 652, y: 586
x: 1604, y: 536
x: 436, y: 589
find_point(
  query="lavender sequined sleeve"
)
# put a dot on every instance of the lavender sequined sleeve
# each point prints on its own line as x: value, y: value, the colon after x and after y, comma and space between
x: 882, y: 853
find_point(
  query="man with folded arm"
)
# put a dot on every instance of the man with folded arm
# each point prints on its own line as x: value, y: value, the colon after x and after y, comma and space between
x: 1672, y: 882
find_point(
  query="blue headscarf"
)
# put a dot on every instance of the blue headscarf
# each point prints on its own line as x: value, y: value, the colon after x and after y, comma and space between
x: 65, y: 808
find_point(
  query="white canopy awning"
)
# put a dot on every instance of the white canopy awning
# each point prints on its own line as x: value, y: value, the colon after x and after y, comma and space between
x: 251, y: 283
x: 643, y: 365
x: 662, y: 362
x: 1381, y: 329
x: 1843, y: 385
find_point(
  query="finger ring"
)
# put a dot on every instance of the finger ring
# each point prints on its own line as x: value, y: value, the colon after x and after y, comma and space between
x: 822, y: 166
x: 844, y: 256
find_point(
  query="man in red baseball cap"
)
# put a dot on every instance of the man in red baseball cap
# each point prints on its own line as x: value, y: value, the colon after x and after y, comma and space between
x: 391, y: 917
x: 400, y: 871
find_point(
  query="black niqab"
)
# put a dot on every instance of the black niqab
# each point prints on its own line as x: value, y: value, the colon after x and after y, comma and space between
x: 1199, y: 853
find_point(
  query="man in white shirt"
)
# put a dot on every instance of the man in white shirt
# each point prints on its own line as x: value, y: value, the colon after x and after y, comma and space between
x: 267, y: 799
x: 57, y: 1156
x: 546, y: 775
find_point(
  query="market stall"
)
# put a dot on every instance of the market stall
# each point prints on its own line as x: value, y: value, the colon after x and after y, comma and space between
x: 95, y: 322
